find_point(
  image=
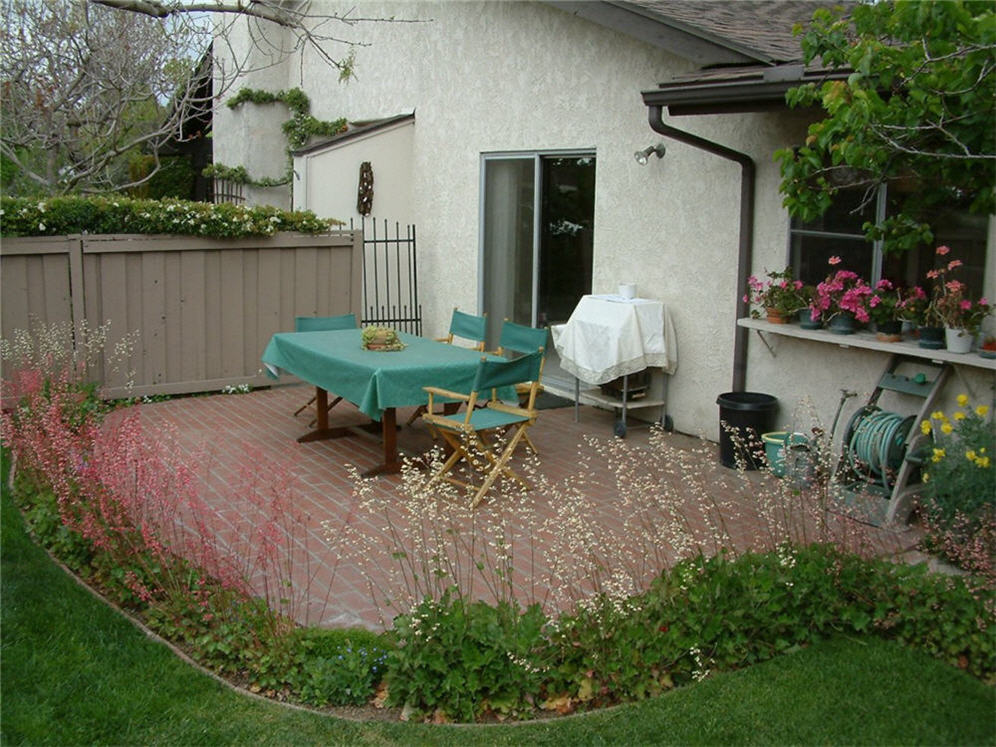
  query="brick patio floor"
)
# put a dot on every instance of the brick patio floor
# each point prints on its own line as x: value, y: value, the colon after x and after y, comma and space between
x: 225, y: 432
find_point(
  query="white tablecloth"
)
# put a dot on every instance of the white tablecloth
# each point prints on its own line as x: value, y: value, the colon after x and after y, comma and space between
x: 609, y: 336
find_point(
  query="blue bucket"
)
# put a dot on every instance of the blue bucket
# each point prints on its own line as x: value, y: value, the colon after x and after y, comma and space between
x: 774, y: 448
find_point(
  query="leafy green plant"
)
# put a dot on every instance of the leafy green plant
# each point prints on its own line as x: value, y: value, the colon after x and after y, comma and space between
x: 958, y: 502
x: 340, y: 667
x: 912, y: 102
x: 962, y: 465
x: 457, y: 660
x: 299, y: 129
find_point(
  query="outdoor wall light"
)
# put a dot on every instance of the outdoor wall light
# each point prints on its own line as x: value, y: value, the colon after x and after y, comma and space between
x: 642, y: 156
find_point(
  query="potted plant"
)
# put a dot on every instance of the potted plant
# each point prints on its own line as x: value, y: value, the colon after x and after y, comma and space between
x: 884, y: 310
x: 381, y: 338
x: 843, y: 299
x: 988, y: 347
x: 808, y: 317
x: 780, y: 296
x: 950, y: 307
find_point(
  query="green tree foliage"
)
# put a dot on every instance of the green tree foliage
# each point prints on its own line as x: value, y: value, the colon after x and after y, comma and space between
x: 916, y: 108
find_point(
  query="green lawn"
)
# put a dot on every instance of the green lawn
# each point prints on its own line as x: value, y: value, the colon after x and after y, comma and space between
x: 75, y: 672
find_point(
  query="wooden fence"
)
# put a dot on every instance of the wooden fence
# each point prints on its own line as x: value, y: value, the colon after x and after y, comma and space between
x: 204, y: 309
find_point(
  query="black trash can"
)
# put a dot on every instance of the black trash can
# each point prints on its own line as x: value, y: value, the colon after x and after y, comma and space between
x: 751, y: 414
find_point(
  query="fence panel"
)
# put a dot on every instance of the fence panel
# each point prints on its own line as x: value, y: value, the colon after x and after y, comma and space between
x: 204, y: 308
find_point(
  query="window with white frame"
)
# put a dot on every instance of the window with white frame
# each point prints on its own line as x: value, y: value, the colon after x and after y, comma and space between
x: 839, y: 233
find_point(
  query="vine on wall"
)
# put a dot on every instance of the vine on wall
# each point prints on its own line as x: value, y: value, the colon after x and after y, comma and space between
x: 298, y: 130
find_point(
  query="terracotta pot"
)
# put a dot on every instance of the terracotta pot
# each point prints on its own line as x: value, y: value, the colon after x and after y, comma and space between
x: 774, y: 316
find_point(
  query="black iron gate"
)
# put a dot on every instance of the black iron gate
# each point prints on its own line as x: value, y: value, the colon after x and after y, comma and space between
x: 390, y: 276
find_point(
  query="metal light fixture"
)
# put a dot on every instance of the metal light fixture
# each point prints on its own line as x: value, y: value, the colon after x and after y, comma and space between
x: 642, y: 156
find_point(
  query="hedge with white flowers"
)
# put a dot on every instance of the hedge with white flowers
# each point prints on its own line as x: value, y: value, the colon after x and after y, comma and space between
x: 103, y: 215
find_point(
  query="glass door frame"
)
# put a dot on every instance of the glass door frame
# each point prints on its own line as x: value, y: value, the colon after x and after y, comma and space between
x: 523, y: 155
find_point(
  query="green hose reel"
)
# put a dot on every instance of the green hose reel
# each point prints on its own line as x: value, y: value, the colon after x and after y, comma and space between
x: 875, y: 443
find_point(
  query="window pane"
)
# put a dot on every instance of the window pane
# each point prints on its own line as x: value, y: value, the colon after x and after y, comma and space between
x: 565, y: 236
x: 843, y: 216
x: 811, y: 255
x: 964, y: 233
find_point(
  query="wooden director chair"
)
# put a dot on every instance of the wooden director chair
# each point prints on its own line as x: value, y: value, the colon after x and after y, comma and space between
x: 322, y: 324
x: 465, y: 327
x: 466, y: 432
x: 518, y: 339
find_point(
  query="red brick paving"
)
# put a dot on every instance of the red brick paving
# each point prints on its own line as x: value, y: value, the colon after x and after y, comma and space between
x: 223, y: 433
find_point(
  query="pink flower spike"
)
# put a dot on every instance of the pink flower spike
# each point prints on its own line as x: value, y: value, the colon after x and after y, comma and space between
x: 932, y: 274
x: 942, y: 250
x: 954, y: 263
x: 965, y: 305
x: 834, y: 260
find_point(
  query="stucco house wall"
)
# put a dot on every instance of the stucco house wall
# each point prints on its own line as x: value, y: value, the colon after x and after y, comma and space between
x: 326, y: 178
x: 516, y: 76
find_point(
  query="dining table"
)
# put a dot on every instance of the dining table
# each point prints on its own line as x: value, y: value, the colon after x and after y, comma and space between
x: 376, y: 381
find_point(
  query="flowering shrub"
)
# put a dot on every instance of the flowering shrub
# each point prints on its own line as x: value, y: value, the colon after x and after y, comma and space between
x: 780, y: 292
x: 122, y: 507
x: 959, y: 502
x: 844, y: 291
x: 67, y: 215
x: 949, y: 306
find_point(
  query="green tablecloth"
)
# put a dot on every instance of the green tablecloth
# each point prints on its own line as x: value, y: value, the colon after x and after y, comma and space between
x: 373, y: 380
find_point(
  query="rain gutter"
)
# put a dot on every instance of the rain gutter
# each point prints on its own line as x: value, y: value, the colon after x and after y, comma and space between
x: 745, y: 253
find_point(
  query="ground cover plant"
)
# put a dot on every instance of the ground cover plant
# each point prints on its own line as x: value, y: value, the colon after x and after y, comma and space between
x: 670, y: 597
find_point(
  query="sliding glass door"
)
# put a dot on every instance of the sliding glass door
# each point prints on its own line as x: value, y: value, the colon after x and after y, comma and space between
x: 536, y: 236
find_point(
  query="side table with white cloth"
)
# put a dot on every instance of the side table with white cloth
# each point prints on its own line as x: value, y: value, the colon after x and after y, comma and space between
x: 608, y: 337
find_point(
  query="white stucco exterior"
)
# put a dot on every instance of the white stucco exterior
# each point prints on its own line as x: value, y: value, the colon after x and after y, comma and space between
x: 326, y: 179
x: 517, y: 76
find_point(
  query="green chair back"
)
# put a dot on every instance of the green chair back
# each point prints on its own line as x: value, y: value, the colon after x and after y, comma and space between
x: 492, y: 374
x: 468, y: 326
x: 324, y: 323
x: 522, y: 339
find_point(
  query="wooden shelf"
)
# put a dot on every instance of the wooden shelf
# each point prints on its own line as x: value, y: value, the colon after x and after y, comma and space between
x: 867, y: 341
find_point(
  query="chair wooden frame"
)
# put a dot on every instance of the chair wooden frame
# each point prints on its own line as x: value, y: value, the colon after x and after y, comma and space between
x: 322, y: 324
x: 465, y: 432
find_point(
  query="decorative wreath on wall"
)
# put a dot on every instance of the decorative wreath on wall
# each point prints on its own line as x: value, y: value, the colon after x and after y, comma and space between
x: 365, y: 193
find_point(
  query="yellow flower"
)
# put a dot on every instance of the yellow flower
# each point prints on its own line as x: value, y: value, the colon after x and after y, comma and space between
x: 925, y: 477
x: 982, y: 410
x: 925, y: 427
x: 983, y: 462
x: 939, y: 454
x: 970, y: 455
x: 962, y: 400
x: 959, y: 415
x: 946, y: 428
x: 937, y: 415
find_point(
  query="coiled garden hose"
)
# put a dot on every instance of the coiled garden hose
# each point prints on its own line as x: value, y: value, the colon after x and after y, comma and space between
x: 876, y: 442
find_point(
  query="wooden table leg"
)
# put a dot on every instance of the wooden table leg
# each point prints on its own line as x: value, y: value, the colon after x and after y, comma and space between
x: 322, y: 431
x: 389, y: 436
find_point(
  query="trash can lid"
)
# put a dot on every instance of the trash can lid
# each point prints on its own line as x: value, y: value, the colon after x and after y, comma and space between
x: 747, y: 401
